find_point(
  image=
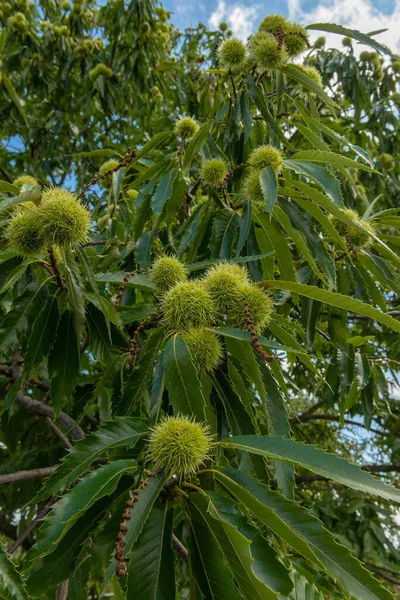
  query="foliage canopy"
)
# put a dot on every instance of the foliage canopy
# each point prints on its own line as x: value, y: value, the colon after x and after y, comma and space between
x: 190, y: 376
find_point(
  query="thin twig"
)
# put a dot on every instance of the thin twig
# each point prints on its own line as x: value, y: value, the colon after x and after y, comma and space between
x: 42, y: 513
x: 58, y: 433
x: 127, y: 159
x: 55, y: 268
x: 179, y: 548
x: 62, y: 591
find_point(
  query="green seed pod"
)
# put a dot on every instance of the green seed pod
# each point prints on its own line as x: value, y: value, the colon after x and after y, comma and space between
x: 265, y: 156
x: 63, y: 220
x: 346, y: 42
x: 65, y: 5
x: 355, y: 237
x: 78, y: 9
x: 396, y: 66
x: 386, y: 162
x: 396, y: 98
x: 204, y: 347
x: 252, y: 189
x: 272, y: 22
x: 365, y: 56
x: 23, y: 180
x: 260, y: 308
x: 179, y: 445
x: 320, y: 42
x: 264, y: 50
x: 25, y: 233
x: 100, y: 69
x: 166, y: 272
x: 223, y: 26
x: 232, y: 54
x: 131, y: 194
x: 187, y: 305
x: 296, y: 40
x: 213, y: 172
x: 186, y: 128
x: 107, y: 166
x: 223, y: 283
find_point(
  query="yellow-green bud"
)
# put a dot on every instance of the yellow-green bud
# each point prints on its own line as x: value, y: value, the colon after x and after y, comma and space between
x: 25, y: 232
x: 265, y: 156
x: 65, y: 5
x: 179, y: 446
x: 166, y: 272
x: 204, y: 347
x: 396, y: 66
x: 264, y: 50
x: 252, y: 189
x: 187, y: 305
x: 100, y: 69
x: 386, y: 161
x: 320, y: 42
x: 232, y: 54
x: 223, y: 283
x: 186, y: 128
x: 63, y: 220
x: 365, y: 56
x: 131, y: 194
x: 223, y: 26
x: 107, y: 166
x: 260, y: 308
x: 396, y: 98
x: 356, y: 238
x: 213, y: 172
x: 23, y: 180
x: 346, y: 42
x: 296, y: 39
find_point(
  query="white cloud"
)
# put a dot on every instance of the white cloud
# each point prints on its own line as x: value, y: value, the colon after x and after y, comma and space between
x: 354, y: 14
x: 240, y: 18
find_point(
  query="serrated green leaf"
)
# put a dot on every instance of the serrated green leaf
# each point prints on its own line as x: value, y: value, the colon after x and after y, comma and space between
x: 19, y: 318
x: 294, y: 72
x: 14, y: 97
x: 151, y: 568
x: 234, y: 546
x: 142, y: 282
x: 331, y: 159
x: 351, y: 33
x: 66, y: 511
x: 8, y: 187
x: 123, y: 432
x: 163, y: 191
x: 182, y: 382
x: 320, y: 175
x: 42, y: 336
x: 241, y: 259
x: 74, y: 290
x: 139, y: 515
x: 208, y: 568
x: 63, y: 363
x: 339, y: 300
x: 239, y: 334
x: 318, y: 461
x: 195, y: 145
x: 305, y: 533
x: 269, y: 187
x: 12, y: 586
x: 101, y: 152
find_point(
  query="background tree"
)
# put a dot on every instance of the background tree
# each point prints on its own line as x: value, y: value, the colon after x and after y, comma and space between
x: 180, y: 322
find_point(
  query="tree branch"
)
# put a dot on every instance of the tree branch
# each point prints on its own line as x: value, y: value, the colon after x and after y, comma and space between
x: 179, y: 548
x: 58, y: 433
x: 12, y: 478
x: 43, y: 410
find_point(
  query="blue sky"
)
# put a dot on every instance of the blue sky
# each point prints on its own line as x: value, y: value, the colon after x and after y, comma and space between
x: 244, y: 15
